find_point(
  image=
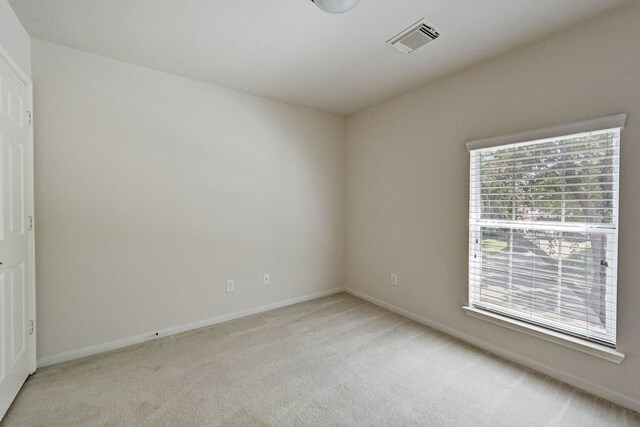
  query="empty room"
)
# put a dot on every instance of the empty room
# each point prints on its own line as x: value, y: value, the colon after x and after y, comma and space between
x: 320, y: 213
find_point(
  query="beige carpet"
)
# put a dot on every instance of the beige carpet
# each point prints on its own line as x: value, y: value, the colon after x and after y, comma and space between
x: 334, y: 361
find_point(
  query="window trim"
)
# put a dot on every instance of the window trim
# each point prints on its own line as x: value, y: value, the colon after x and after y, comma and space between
x: 585, y: 346
x: 563, y: 338
x: 594, y: 125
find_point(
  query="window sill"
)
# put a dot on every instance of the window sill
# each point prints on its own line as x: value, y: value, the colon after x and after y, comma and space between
x: 588, y: 347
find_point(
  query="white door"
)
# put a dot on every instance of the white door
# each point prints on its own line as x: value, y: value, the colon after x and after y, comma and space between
x: 17, y: 346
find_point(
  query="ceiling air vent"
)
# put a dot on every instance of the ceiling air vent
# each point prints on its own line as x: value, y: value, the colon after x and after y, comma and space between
x: 415, y: 36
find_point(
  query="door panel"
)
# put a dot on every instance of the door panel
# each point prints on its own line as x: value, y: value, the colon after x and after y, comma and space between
x: 17, y: 299
x: 17, y: 314
x: 15, y: 107
x: 4, y: 308
x: 16, y: 187
x: 2, y: 162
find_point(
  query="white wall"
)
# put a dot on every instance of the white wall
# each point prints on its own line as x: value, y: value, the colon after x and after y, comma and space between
x: 152, y: 190
x: 408, y: 184
x: 14, y: 38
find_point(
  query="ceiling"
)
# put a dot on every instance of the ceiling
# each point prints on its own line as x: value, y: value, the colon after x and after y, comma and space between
x: 291, y: 51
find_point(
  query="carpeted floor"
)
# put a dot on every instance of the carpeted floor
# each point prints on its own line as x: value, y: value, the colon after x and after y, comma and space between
x: 333, y: 361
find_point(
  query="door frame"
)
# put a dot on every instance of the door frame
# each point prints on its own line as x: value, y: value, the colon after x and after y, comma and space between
x: 29, y: 199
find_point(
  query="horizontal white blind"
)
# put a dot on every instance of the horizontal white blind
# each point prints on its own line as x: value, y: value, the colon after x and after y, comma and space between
x: 543, y: 232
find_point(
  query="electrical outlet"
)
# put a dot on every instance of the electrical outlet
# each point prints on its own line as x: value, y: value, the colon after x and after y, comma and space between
x: 394, y: 279
x: 266, y: 278
x: 231, y: 285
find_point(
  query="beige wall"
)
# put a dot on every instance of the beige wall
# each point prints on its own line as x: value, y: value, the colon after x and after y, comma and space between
x: 152, y: 190
x: 408, y: 185
x: 14, y: 38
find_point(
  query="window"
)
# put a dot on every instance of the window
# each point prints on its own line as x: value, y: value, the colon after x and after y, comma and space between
x: 543, y: 225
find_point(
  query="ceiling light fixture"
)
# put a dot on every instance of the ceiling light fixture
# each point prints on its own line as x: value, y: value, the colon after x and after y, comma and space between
x: 336, y: 6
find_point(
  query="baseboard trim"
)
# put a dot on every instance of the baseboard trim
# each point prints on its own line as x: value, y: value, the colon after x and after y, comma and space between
x: 586, y: 386
x: 124, y: 342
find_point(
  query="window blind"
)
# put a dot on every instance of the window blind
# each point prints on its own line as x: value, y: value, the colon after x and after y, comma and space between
x: 543, y: 231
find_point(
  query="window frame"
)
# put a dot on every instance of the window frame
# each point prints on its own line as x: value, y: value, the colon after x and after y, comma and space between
x: 509, y: 318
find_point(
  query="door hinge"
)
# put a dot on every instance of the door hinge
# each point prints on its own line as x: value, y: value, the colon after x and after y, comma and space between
x: 29, y: 117
x: 32, y: 327
x: 30, y: 223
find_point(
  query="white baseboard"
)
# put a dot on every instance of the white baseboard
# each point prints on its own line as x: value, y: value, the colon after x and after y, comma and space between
x: 584, y: 385
x: 124, y: 342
